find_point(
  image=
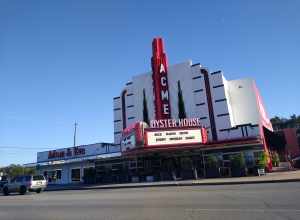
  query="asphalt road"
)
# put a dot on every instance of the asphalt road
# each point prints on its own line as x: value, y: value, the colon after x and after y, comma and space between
x: 255, y: 201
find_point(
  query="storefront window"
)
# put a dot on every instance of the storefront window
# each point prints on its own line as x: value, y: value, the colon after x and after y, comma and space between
x: 75, y: 175
x: 58, y: 174
x: 53, y: 175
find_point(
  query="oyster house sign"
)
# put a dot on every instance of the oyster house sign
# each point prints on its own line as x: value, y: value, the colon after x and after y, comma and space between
x: 174, y: 123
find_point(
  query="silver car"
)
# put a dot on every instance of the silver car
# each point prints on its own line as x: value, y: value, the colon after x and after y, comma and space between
x: 23, y: 184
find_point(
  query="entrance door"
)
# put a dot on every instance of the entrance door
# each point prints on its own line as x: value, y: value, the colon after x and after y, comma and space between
x: 75, y: 175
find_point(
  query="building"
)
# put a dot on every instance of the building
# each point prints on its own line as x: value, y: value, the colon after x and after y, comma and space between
x: 174, y: 122
x: 287, y: 137
x: 231, y: 111
x: 69, y: 165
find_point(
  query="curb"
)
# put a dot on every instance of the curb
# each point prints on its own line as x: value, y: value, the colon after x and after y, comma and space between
x: 172, y: 185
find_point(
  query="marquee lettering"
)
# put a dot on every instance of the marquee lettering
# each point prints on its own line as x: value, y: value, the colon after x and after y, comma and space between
x: 160, y: 80
x: 173, y: 123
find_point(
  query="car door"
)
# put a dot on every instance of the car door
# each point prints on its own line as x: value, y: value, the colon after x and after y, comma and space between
x: 11, y: 184
x: 14, y: 186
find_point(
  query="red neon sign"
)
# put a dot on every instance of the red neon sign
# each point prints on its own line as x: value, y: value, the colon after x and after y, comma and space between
x: 160, y: 80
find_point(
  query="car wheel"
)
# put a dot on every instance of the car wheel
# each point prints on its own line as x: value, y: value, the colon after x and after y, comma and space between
x: 5, y: 191
x: 38, y: 190
x: 23, y: 190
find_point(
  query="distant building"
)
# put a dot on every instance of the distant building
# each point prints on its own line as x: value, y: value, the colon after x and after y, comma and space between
x: 289, y: 131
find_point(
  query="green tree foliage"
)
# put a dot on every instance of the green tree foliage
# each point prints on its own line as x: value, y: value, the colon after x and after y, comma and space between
x: 275, y: 159
x: 16, y: 170
x: 262, y: 160
x: 145, y: 108
x: 181, y: 108
x: 281, y: 123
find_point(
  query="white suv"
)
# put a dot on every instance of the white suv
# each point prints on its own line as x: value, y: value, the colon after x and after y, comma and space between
x: 23, y: 184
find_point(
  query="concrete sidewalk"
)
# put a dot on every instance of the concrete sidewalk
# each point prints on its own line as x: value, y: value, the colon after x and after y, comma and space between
x: 288, y: 176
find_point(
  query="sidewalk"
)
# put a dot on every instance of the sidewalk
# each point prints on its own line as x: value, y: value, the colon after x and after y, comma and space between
x: 289, y: 176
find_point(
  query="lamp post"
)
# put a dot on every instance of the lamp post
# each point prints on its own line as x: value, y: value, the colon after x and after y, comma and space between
x: 75, y: 130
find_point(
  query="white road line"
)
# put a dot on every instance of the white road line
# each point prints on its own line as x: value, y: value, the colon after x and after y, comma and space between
x: 242, y: 210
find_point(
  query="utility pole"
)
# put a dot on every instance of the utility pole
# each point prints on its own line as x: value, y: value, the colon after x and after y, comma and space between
x: 75, y: 129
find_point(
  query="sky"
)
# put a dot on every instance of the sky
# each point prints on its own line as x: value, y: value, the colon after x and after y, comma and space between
x: 63, y: 61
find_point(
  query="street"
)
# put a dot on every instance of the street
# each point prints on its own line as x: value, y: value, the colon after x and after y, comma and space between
x: 254, y: 201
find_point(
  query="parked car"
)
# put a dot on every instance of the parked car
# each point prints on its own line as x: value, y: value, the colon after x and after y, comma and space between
x: 25, y: 183
x: 2, y: 183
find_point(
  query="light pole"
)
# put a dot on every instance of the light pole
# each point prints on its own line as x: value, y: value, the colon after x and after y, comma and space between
x: 75, y: 129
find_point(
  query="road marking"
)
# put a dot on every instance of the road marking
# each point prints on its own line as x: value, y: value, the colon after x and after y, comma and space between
x: 242, y: 210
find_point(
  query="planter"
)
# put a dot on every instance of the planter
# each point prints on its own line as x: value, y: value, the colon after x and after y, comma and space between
x: 238, y: 172
x: 187, y: 174
x: 149, y: 178
x: 212, y: 172
x: 261, y: 171
x: 135, y: 179
x: 166, y: 176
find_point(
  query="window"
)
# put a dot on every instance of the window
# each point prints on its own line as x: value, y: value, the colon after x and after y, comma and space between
x: 58, y: 174
x: 19, y: 179
x: 38, y: 177
x: 75, y: 175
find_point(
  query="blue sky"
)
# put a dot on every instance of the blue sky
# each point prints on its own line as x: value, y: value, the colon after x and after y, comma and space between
x: 62, y: 61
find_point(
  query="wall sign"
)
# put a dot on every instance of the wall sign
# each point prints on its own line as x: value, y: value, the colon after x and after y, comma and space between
x: 82, y: 151
x: 173, y: 123
x: 69, y: 152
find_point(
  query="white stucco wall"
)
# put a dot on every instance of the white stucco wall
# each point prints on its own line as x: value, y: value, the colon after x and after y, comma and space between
x: 234, y: 101
x: 242, y: 100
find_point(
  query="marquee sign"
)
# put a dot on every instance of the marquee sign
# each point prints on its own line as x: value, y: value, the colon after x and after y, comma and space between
x: 175, y: 137
x: 160, y: 80
x: 133, y: 136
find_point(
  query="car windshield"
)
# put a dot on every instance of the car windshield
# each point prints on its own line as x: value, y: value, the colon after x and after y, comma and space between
x: 38, y: 177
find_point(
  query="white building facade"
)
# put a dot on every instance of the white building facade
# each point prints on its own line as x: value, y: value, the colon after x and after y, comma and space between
x: 70, y: 165
x: 229, y: 109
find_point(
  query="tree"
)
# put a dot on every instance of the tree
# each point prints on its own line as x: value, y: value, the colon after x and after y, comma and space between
x: 281, y: 123
x: 181, y: 108
x: 145, y: 108
x: 16, y: 170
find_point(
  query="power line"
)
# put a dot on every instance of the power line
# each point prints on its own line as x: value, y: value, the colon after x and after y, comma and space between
x: 25, y: 148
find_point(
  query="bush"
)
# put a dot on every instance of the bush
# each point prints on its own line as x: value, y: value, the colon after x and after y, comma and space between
x: 238, y: 161
x: 275, y: 159
x: 211, y: 161
x: 262, y: 160
x: 186, y: 163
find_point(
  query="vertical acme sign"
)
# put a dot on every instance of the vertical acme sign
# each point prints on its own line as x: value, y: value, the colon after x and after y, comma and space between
x: 160, y: 80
